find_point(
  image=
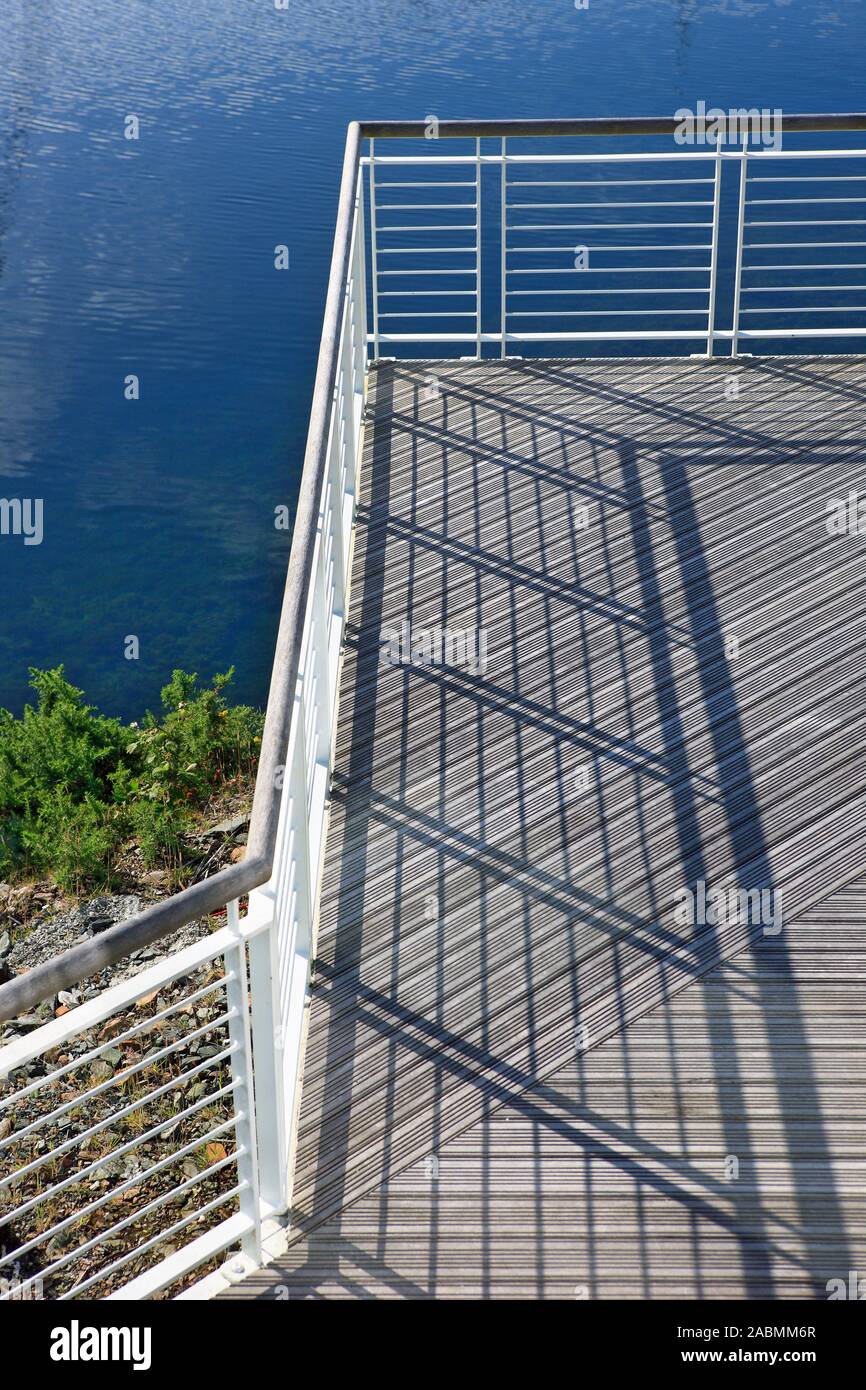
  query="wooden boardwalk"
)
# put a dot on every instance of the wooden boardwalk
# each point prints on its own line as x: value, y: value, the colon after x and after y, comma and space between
x: 526, y: 1073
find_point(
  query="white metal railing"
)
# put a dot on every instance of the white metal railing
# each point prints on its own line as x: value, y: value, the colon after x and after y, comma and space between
x: 147, y: 1131
x: 818, y: 257
x: 134, y: 1110
x: 613, y: 247
x: 132, y: 1121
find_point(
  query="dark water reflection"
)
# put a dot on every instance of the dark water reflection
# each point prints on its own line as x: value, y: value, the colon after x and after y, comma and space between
x: 155, y: 258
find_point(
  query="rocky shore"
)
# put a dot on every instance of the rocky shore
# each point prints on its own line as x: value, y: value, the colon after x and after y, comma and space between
x: 37, y: 922
x: 118, y: 1173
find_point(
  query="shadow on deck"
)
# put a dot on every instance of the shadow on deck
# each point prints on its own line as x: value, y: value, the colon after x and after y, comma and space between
x: 528, y: 1071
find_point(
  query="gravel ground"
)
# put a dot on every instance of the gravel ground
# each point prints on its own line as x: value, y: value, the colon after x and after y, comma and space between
x: 87, y: 1187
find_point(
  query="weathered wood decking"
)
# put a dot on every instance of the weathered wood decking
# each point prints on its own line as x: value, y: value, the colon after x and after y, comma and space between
x: 523, y: 1073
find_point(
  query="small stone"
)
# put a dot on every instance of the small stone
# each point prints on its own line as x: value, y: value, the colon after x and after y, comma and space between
x: 155, y: 878
x: 27, y: 1022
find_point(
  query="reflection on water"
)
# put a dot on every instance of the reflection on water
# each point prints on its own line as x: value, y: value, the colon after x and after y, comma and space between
x: 155, y: 258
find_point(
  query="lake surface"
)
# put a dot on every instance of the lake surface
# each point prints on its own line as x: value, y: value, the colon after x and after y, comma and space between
x: 154, y: 257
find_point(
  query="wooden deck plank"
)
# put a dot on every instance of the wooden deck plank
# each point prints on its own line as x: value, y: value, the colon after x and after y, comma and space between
x: 476, y: 908
x: 608, y: 1179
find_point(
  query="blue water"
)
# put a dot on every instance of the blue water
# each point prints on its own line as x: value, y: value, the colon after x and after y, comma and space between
x: 155, y: 257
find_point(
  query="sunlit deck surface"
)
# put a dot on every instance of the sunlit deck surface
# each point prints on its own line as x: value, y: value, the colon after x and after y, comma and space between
x: 524, y: 1076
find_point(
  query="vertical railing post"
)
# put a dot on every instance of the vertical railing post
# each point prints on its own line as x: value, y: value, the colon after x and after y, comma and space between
x: 358, y: 295
x: 279, y: 974
x: 282, y: 911
x: 503, y: 252
x: 242, y: 1078
x: 348, y: 465
x: 478, y: 247
x: 741, y: 227
x: 272, y: 1121
x: 714, y: 249
x: 374, y: 257
x: 318, y: 681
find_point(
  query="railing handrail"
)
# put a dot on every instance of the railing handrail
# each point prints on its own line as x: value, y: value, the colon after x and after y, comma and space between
x: 24, y: 992
x: 618, y: 125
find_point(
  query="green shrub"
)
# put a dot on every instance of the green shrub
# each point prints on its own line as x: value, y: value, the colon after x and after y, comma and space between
x: 75, y: 841
x: 158, y: 827
x: 74, y: 783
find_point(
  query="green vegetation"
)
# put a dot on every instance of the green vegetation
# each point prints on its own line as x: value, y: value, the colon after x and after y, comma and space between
x: 75, y: 785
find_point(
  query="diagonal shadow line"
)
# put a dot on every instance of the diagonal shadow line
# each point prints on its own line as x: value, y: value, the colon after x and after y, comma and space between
x: 748, y: 840
x: 544, y: 885
x: 380, y: 507
x: 526, y: 708
x: 765, y: 456
x: 438, y: 544
x: 786, y: 372
x: 536, y: 412
x: 506, y: 1084
x: 693, y: 859
x: 309, y: 1270
x: 669, y: 415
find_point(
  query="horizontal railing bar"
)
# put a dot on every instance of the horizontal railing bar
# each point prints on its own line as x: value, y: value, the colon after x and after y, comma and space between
x: 790, y: 289
x: 634, y: 336
x: 640, y: 203
x: 605, y: 226
x: 781, y: 202
x: 115, y: 1080
x: 438, y: 337
x: 807, y: 178
x: 98, y: 1128
x: 809, y: 265
x: 469, y: 270
x: 813, y: 222
x: 673, y: 334
x: 797, y: 246
x: 154, y: 923
x: 597, y: 250
x: 448, y: 314
x: 612, y: 335
x: 193, y: 1180
x: 811, y: 309
x: 424, y: 183
x: 95, y: 1052
x: 607, y: 270
x: 426, y: 250
x: 604, y: 313
x: 800, y: 154
x: 135, y: 1181
x: 590, y: 126
x: 433, y: 160
x: 432, y: 227
x: 425, y: 207
x: 603, y: 183
x: 111, y: 1001
x: 687, y: 289
x: 425, y: 294
x: 198, y: 1252
x: 802, y: 332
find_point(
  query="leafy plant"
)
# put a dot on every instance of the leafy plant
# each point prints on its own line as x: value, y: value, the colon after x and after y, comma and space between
x: 75, y: 783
